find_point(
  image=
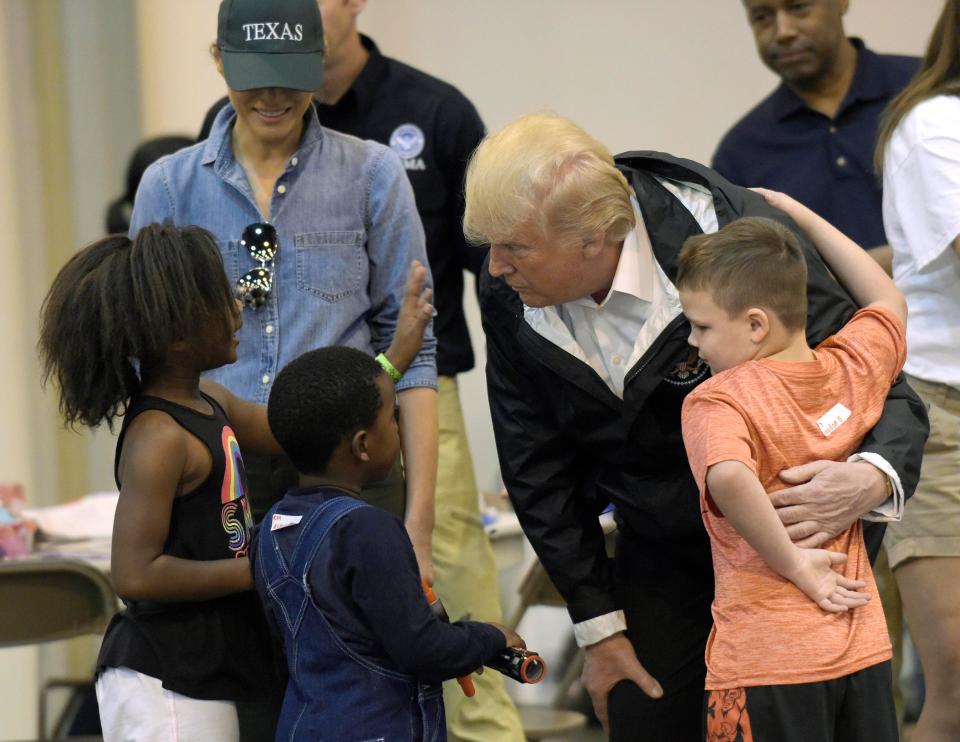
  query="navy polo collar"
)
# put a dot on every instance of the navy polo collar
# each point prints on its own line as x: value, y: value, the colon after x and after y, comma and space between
x: 869, y: 83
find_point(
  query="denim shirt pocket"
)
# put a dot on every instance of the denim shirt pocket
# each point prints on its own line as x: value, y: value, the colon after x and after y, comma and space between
x: 331, y: 265
x: 230, y: 252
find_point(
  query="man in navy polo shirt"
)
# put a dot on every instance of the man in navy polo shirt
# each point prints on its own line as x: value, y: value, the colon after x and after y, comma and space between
x: 813, y: 137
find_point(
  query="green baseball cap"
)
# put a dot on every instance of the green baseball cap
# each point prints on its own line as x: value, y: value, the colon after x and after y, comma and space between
x: 271, y: 44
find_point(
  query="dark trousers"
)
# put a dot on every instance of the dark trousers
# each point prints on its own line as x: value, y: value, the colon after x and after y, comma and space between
x: 855, y: 708
x: 666, y: 591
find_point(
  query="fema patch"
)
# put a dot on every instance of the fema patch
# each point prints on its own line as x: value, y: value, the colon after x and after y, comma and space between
x: 407, y: 141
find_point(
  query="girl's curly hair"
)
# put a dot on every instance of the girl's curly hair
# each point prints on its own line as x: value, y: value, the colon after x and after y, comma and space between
x: 117, y: 307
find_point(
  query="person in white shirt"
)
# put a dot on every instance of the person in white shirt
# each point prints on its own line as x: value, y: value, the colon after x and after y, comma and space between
x: 918, y: 154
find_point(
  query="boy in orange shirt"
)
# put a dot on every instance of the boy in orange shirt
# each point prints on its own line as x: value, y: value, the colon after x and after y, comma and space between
x: 798, y: 650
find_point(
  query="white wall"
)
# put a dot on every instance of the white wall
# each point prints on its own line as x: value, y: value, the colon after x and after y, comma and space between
x: 653, y: 74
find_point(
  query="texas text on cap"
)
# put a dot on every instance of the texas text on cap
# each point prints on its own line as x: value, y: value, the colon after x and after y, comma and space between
x: 271, y: 44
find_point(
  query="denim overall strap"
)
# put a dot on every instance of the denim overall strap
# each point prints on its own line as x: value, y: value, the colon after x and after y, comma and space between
x: 315, y: 532
x: 287, y: 581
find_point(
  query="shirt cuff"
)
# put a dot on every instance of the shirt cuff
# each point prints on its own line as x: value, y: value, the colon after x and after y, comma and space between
x: 890, y: 510
x: 418, y: 375
x: 597, y: 629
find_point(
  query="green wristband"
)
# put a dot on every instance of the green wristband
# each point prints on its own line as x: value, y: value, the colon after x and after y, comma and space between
x: 389, y: 367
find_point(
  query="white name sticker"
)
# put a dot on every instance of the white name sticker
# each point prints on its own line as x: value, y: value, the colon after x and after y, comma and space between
x: 284, y: 521
x: 835, y: 417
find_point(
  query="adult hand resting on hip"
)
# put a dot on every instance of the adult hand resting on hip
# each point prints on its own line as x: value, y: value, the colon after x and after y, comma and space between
x: 608, y: 662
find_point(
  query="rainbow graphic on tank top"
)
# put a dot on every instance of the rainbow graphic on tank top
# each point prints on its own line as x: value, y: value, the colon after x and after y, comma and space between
x: 235, y: 510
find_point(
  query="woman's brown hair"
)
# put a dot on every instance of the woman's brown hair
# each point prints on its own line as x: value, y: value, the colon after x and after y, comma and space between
x: 939, y: 74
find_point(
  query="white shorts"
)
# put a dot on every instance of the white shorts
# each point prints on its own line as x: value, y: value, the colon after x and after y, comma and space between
x: 136, y: 708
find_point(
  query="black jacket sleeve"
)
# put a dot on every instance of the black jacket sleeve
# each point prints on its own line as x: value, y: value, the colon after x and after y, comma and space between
x: 540, y: 466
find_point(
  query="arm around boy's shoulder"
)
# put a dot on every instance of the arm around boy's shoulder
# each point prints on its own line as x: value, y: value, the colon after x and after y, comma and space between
x: 876, y: 336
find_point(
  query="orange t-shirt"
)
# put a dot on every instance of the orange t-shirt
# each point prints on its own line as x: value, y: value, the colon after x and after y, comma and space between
x: 771, y: 415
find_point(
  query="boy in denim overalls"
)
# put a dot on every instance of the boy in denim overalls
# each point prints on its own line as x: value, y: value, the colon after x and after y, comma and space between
x: 339, y: 579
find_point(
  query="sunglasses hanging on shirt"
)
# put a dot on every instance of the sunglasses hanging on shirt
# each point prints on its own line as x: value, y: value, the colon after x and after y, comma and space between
x: 253, y: 288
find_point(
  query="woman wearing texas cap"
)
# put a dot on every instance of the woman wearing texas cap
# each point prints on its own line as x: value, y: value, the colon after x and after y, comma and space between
x: 339, y: 220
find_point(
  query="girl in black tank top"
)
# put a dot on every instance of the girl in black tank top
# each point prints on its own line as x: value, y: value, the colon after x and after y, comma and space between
x: 128, y: 327
x: 126, y: 331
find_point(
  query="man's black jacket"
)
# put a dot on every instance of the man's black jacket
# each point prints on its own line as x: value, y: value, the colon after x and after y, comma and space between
x: 568, y: 446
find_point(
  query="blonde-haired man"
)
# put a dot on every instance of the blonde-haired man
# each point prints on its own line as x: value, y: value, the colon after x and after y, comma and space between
x: 587, y: 368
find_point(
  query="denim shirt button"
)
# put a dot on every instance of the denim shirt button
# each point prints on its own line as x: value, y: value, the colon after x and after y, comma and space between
x: 266, y: 379
x: 294, y: 161
x: 281, y: 189
x: 268, y: 329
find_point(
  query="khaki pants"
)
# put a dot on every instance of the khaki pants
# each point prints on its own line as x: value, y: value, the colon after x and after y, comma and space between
x: 466, y: 578
x: 931, y: 518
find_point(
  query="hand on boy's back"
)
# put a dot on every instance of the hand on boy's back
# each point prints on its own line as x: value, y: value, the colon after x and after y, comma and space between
x: 826, y: 498
x: 415, y: 312
x: 830, y: 590
x: 512, y: 637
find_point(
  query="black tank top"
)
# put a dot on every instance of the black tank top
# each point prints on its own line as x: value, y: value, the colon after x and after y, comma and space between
x: 213, y: 649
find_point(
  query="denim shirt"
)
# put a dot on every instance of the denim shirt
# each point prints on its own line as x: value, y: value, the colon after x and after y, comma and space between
x: 348, y: 231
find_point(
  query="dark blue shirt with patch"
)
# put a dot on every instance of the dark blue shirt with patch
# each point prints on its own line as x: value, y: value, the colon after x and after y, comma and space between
x: 824, y: 163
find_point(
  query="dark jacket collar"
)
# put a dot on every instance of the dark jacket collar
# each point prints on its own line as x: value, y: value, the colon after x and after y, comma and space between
x: 667, y: 221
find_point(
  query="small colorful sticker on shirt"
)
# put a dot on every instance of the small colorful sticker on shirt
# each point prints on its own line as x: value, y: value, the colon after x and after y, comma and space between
x: 235, y: 510
x: 280, y: 521
x: 833, y: 419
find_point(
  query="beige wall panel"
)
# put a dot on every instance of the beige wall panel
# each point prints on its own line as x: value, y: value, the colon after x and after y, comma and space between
x: 178, y: 78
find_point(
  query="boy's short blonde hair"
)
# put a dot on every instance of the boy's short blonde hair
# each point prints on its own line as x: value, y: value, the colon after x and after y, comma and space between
x: 751, y: 262
x: 544, y: 172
